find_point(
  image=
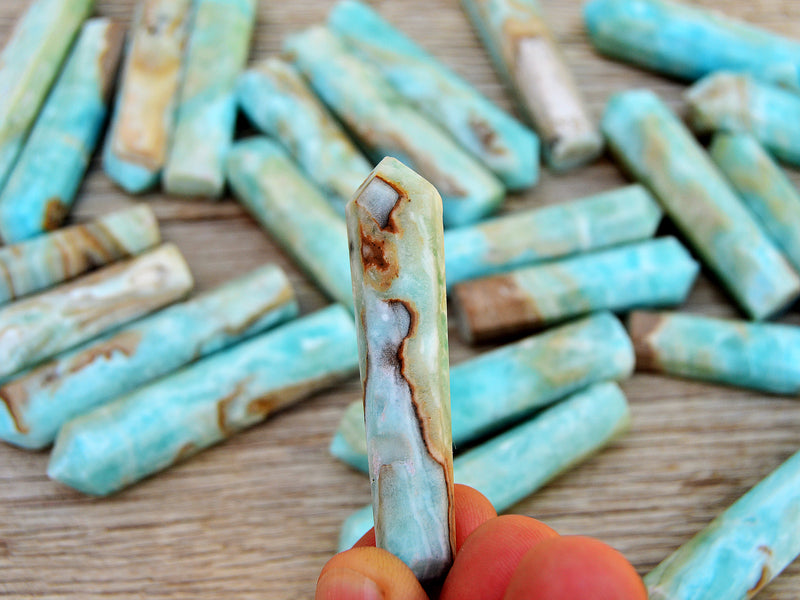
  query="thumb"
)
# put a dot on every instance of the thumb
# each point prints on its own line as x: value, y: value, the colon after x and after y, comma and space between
x: 368, y: 574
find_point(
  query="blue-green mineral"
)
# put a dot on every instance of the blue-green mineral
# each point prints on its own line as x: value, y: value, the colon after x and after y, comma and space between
x: 524, y: 238
x: 42, y: 187
x: 29, y: 63
x: 518, y: 462
x: 218, y: 45
x: 173, y: 418
x: 764, y: 187
x: 138, y: 139
x: 388, y: 125
x: 657, y: 149
x: 738, y: 103
x: 647, y: 274
x: 42, y: 262
x: 761, y: 356
x: 272, y: 188
x: 526, y: 54
x: 689, y: 42
x: 278, y: 101
x: 34, y: 405
x: 37, y: 328
x: 740, y: 551
x: 394, y: 223
x: 501, y: 387
x: 502, y: 143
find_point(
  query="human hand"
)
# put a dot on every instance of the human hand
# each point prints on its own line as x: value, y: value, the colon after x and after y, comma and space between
x: 497, y: 558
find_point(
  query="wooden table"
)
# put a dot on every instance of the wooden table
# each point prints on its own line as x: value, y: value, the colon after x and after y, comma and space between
x: 258, y: 516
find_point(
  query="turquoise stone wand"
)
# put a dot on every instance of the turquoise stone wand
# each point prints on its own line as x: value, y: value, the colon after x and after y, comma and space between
x: 653, y: 273
x: 738, y: 103
x: 37, y: 328
x: 39, y: 402
x: 30, y: 62
x: 742, y: 550
x: 653, y: 144
x: 689, y: 42
x: 764, y: 188
x: 499, y: 141
x: 55, y: 257
x: 525, y: 53
x: 760, y: 356
x: 135, y: 149
x: 524, y: 238
x: 394, y: 224
x: 272, y: 188
x: 41, y: 189
x: 177, y: 416
x: 206, y: 114
x: 388, y: 125
x: 279, y: 102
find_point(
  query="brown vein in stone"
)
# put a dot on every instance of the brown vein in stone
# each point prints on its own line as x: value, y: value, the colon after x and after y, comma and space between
x: 13, y: 407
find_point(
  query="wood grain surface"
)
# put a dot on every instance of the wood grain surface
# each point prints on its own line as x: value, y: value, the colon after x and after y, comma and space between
x: 258, y: 516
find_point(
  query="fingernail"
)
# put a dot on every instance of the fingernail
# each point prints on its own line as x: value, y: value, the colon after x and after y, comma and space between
x: 346, y: 584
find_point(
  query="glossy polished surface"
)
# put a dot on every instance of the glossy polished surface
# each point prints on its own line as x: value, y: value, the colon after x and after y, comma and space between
x: 39, y: 327
x: 29, y: 64
x: 395, y: 228
x: 55, y: 257
x: 217, y: 50
x: 502, y: 143
x: 689, y: 42
x: 387, y: 125
x: 655, y: 147
x: 294, y: 211
x: 37, y: 403
x: 172, y: 419
x: 41, y: 189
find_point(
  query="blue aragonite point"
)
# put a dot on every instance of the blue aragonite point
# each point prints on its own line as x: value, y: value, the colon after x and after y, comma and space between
x: 218, y: 45
x: 40, y: 401
x: 175, y: 417
x: 518, y: 462
x: 652, y: 273
x: 689, y: 42
x: 742, y: 550
x: 39, y: 327
x: 764, y: 188
x: 527, y: 56
x: 279, y: 102
x: 627, y: 214
x: 30, y: 61
x: 272, y: 188
x: 738, y: 103
x: 141, y: 128
x: 653, y: 144
x: 503, y: 386
x: 52, y: 258
x: 394, y: 224
x: 502, y: 143
x: 41, y: 189
x: 761, y: 356
x: 387, y: 125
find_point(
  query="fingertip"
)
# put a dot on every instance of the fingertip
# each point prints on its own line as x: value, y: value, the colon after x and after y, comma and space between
x: 489, y: 557
x: 472, y: 510
x: 367, y: 574
x: 345, y: 584
x: 570, y: 567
